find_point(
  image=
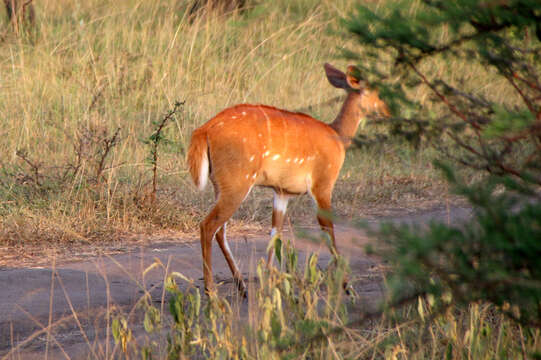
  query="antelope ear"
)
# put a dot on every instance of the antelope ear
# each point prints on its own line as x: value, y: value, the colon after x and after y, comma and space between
x: 336, y: 77
x: 354, y: 78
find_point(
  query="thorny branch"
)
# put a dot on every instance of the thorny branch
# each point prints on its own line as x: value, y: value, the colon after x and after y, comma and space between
x: 34, y: 166
x: 154, y: 141
x: 108, y: 143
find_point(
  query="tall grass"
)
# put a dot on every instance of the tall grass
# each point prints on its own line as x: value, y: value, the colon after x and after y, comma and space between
x: 93, y: 67
x: 90, y: 68
x: 300, y: 312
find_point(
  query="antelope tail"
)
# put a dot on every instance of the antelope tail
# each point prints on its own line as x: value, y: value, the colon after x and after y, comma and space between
x: 198, y: 159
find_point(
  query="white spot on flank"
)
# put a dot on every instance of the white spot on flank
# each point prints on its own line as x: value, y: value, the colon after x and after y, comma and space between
x: 233, y: 117
x: 301, y: 161
x: 288, y: 160
x: 259, y: 135
x: 252, y: 158
x: 254, y: 175
x: 244, y: 113
x: 295, y: 160
x: 276, y: 157
x: 266, y: 153
x: 247, y: 176
x: 220, y: 123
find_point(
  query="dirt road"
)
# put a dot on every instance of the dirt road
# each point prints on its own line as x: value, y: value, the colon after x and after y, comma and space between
x: 76, y: 298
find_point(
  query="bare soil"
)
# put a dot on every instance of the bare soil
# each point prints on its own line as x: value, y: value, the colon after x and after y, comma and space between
x: 64, y: 315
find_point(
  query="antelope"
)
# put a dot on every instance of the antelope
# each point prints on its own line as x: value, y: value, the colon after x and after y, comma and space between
x: 257, y: 145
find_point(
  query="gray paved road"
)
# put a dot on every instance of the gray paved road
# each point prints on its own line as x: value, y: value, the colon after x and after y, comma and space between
x: 31, y: 298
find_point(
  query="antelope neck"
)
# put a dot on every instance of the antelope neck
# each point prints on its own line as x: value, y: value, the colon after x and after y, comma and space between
x: 348, y: 118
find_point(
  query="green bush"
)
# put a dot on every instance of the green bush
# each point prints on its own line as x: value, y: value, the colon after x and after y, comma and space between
x: 494, y: 257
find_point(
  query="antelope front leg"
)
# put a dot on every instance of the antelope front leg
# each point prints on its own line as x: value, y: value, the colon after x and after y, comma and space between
x: 278, y: 215
x: 324, y: 217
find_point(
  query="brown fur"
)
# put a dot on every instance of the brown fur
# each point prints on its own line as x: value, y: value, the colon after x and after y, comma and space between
x: 293, y: 153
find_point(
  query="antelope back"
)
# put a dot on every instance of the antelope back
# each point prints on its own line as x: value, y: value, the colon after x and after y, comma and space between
x: 262, y: 145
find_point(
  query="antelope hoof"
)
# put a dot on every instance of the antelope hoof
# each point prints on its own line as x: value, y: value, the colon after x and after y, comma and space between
x: 347, y: 288
x: 241, y: 286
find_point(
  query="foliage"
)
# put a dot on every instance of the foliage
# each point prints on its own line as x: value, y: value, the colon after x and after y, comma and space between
x: 494, y: 257
x: 501, y: 136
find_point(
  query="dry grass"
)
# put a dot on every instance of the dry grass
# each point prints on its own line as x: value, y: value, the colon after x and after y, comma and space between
x: 96, y: 66
x: 93, y: 67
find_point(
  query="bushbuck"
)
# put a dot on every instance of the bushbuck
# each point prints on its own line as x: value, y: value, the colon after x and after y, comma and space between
x: 292, y: 153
